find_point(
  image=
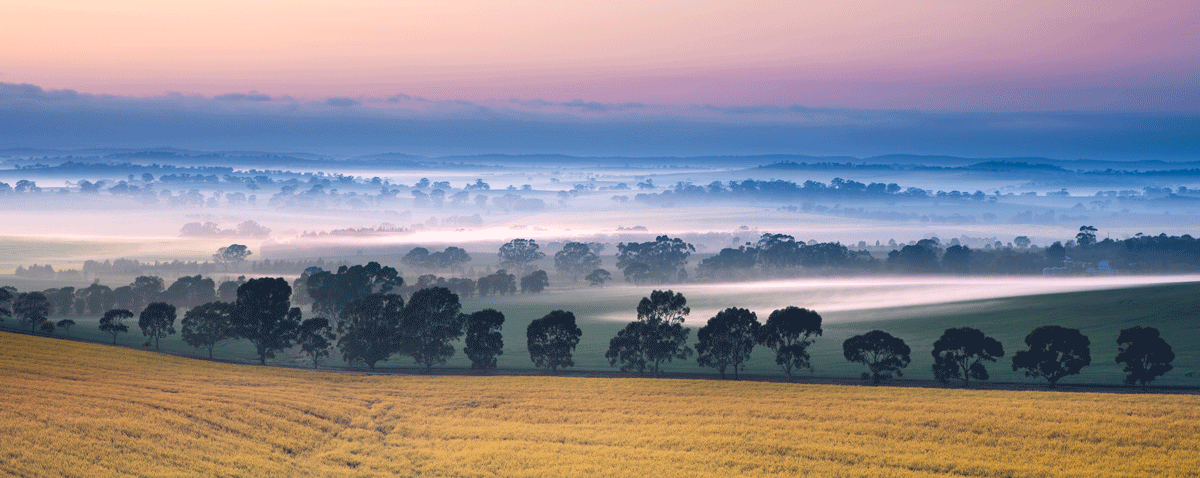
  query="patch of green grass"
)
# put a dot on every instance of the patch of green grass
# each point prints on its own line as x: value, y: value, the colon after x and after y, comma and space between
x: 1173, y: 309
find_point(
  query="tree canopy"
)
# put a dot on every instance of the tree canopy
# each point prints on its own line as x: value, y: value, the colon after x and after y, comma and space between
x: 431, y: 321
x: 960, y: 352
x: 727, y: 340
x: 31, y: 309
x: 1145, y: 354
x: 484, y: 341
x: 1054, y: 352
x: 660, y: 261
x: 576, y: 259
x: 656, y: 336
x: 113, y: 322
x: 207, y: 325
x: 882, y: 353
x: 370, y: 329
x: 519, y: 253
x: 315, y: 338
x: 157, y: 320
x: 789, y: 332
x: 264, y: 316
x: 331, y: 292
x: 552, y: 339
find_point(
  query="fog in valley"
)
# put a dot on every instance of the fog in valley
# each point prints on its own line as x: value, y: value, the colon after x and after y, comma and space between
x: 169, y: 211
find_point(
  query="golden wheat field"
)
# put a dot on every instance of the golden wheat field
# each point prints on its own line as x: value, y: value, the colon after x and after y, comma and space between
x: 73, y: 409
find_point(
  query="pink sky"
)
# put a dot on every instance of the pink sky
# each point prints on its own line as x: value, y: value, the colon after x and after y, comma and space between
x: 997, y: 55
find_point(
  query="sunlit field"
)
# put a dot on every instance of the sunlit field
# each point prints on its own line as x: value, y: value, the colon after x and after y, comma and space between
x: 74, y: 409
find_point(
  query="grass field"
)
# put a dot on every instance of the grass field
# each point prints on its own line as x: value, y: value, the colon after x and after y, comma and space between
x: 1172, y: 308
x: 74, y: 409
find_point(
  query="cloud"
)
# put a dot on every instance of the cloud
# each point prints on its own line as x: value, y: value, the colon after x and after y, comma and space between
x: 252, y: 96
x: 31, y: 116
x: 342, y: 101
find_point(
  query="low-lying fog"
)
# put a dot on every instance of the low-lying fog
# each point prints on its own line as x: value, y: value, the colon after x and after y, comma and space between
x: 838, y: 300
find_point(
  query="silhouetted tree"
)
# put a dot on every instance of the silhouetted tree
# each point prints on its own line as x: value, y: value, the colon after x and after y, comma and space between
x: 1086, y: 236
x: 484, y: 341
x: 1054, y: 352
x: 789, y: 332
x: 656, y: 336
x: 370, y: 329
x: 576, y: 259
x: 598, y: 277
x: 882, y: 353
x: 500, y: 282
x: 234, y: 254
x: 1022, y: 242
x: 959, y: 354
x: 113, y: 322
x: 431, y: 321
x: 727, y: 340
x: 535, y: 282
x: 206, y: 325
x: 519, y: 253
x: 1145, y: 354
x: 315, y: 338
x: 66, y: 325
x: 552, y: 339
x: 157, y: 321
x: 264, y: 316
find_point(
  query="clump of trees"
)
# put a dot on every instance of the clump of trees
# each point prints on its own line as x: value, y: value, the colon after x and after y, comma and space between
x: 660, y: 261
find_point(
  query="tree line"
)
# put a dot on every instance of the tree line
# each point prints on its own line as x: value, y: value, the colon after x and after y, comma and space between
x: 377, y: 325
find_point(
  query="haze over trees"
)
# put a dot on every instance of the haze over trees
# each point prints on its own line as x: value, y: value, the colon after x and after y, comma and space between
x: 661, y: 261
x: 576, y: 259
x: 518, y: 254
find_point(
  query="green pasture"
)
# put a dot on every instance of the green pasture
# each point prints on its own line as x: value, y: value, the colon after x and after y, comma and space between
x: 1174, y: 309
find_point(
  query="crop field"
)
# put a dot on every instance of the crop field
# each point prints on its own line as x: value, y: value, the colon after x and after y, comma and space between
x: 74, y: 409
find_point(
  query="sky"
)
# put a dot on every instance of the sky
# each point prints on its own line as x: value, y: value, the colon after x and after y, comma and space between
x: 1064, y: 78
